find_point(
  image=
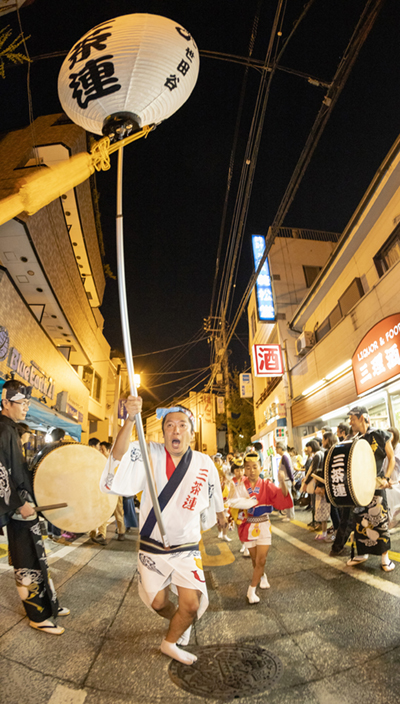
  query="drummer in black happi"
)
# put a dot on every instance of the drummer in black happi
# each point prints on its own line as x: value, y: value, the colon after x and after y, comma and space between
x: 25, y: 543
x: 371, y: 531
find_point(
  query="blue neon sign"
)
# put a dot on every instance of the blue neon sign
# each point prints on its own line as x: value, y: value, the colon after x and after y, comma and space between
x: 265, y: 299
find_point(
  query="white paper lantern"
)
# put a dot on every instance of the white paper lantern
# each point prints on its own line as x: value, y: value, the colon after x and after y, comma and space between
x: 142, y: 65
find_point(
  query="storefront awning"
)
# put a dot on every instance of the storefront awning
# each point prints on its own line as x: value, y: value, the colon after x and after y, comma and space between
x: 41, y: 418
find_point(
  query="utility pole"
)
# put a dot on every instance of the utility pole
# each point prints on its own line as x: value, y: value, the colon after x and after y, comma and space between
x: 225, y: 371
x: 216, y: 326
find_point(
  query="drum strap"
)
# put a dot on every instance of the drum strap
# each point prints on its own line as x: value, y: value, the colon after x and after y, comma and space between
x: 168, y: 491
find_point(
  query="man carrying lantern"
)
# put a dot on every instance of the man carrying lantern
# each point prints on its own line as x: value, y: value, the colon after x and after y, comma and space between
x: 190, y: 499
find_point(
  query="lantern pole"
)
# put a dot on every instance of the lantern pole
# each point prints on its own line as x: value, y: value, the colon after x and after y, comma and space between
x: 128, y: 348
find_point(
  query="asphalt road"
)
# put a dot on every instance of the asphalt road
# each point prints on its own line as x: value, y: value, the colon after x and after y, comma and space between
x: 334, y: 629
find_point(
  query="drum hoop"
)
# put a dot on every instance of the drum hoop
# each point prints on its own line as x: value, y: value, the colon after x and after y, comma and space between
x: 331, y: 498
x: 40, y: 460
x: 353, y: 496
x: 349, y: 481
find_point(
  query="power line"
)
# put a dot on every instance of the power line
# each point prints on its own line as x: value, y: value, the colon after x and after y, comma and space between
x: 360, y: 34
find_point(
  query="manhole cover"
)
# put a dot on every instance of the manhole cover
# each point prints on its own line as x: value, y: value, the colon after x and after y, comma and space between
x: 227, y: 671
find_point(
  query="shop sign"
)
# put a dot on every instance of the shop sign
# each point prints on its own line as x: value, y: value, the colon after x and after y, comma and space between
x: 280, y: 433
x: 265, y: 299
x: 275, y: 410
x: 246, y: 386
x: 206, y: 400
x: 267, y: 360
x: 377, y: 357
x: 29, y: 372
x: 220, y: 404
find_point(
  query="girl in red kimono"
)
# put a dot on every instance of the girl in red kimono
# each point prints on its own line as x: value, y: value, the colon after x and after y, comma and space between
x: 255, y: 531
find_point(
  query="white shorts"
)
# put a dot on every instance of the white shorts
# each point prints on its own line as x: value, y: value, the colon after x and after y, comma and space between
x: 259, y: 534
x: 179, y: 569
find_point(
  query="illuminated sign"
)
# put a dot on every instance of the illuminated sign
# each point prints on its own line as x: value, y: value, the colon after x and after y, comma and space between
x: 377, y: 357
x: 29, y: 372
x: 246, y: 385
x: 267, y: 360
x: 265, y: 299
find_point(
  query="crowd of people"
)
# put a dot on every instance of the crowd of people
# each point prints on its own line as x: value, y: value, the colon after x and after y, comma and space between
x: 195, y: 492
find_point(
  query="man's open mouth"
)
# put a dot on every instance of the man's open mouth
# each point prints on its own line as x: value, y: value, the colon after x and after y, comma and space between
x: 176, y: 443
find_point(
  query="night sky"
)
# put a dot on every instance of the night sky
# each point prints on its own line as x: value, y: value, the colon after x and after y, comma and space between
x: 174, y: 182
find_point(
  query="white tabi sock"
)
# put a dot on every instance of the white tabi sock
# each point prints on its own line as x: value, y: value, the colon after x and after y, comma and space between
x: 185, y: 637
x: 264, y: 584
x: 252, y: 596
x: 172, y: 650
x: 385, y: 559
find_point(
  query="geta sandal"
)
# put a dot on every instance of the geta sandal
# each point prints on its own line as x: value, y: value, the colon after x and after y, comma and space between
x: 389, y: 567
x: 47, y: 627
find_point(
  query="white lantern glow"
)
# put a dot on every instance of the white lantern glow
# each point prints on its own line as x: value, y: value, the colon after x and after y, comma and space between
x: 144, y: 66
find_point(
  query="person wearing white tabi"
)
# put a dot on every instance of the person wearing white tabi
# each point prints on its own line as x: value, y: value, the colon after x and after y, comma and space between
x: 190, y: 500
x: 371, y: 532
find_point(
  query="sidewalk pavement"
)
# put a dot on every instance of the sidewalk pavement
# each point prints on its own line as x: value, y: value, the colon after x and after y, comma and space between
x: 337, y: 635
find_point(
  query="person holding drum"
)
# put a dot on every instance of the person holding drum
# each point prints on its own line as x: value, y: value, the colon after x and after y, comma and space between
x: 371, y: 530
x: 189, y: 490
x: 17, y: 512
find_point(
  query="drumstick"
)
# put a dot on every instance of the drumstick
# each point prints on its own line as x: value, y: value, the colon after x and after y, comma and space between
x: 50, y: 507
x: 318, y: 478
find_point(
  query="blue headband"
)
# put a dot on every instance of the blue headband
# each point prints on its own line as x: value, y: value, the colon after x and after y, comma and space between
x: 162, y: 412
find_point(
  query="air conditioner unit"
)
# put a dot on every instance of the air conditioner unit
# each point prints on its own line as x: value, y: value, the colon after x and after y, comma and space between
x: 304, y: 343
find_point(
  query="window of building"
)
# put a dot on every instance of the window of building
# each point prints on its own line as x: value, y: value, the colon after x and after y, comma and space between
x: 335, y: 316
x: 96, y: 392
x: 310, y: 274
x: 92, y: 381
x: 87, y: 377
x: 351, y: 295
x: 389, y: 253
x: 322, y: 330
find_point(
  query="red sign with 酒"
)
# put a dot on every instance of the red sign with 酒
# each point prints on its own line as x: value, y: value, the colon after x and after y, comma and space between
x: 267, y: 360
x: 377, y: 357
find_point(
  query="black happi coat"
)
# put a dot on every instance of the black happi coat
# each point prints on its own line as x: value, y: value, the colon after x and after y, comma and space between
x: 15, y: 479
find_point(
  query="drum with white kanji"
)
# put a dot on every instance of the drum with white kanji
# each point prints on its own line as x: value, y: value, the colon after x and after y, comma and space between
x: 350, y: 473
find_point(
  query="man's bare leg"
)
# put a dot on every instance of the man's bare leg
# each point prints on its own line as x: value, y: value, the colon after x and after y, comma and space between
x: 163, y: 605
x: 189, y: 601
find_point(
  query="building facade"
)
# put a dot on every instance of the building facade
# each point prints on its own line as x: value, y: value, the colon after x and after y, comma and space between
x: 342, y: 337
x: 295, y: 259
x: 52, y: 285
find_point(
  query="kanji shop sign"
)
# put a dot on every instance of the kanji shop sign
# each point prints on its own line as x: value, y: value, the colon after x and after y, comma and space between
x: 265, y: 299
x: 267, y: 360
x: 142, y: 65
x: 377, y: 357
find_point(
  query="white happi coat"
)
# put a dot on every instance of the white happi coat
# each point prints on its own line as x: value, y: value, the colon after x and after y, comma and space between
x: 192, y: 508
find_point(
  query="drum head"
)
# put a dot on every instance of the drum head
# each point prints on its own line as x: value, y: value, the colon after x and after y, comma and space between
x: 363, y: 472
x: 71, y: 473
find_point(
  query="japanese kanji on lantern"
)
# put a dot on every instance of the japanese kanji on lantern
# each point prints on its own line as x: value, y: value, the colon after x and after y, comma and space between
x: 377, y: 357
x: 144, y: 66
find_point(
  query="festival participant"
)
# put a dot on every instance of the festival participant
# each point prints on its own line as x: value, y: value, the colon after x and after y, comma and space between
x: 371, y: 530
x: 25, y: 544
x: 237, y: 514
x: 393, y: 496
x: 322, y: 506
x: 286, y: 466
x: 255, y: 531
x: 189, y: 496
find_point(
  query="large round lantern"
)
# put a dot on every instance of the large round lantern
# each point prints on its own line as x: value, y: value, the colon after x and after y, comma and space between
x: 139, y: 67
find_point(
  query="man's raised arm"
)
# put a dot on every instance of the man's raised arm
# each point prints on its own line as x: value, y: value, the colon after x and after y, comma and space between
x: 133, y: 405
